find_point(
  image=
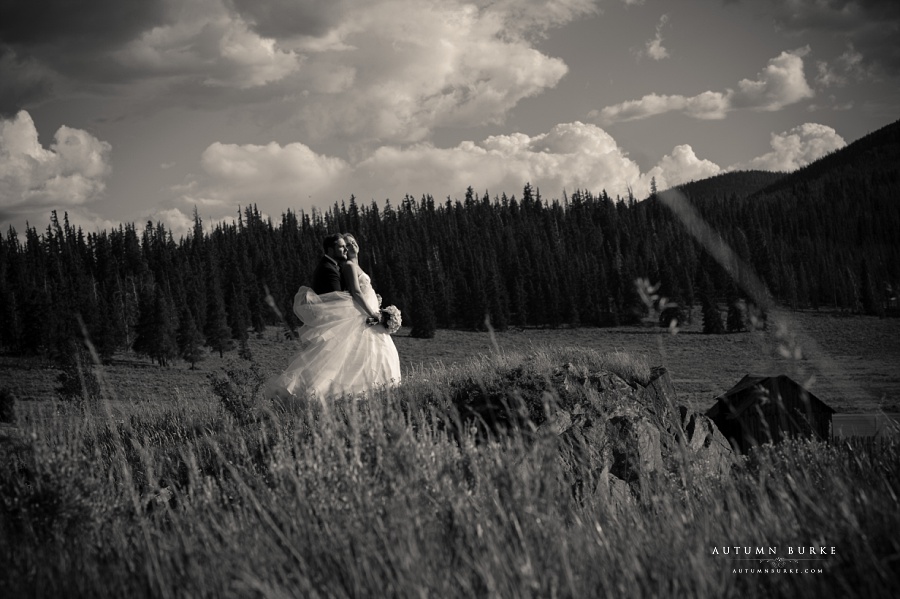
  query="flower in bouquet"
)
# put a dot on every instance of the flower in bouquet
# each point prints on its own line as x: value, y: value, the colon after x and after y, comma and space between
x: 390, y: 319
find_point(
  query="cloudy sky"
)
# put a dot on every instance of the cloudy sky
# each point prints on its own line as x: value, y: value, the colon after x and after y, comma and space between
x: 128, y: 110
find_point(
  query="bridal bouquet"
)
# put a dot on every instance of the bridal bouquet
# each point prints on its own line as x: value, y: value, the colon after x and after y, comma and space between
x: 390, y: 319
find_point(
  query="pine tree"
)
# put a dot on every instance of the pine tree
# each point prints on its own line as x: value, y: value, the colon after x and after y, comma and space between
x: 106, y: 331
x: 239, y: 314
x: 190, y: 340
x: 712, y: 319
x: 77, y: 380
x: 424, y: 323
x: 145, y: 329
x: 10, y: 327
x: 867, y: 296
x: 736, y: 319
x: 156, y: 330
x: 166, y: 344
x: 217, y: 331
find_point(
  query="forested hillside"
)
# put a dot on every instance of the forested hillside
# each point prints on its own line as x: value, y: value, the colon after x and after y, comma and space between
x: 726, y: 186
x: 825, y: 236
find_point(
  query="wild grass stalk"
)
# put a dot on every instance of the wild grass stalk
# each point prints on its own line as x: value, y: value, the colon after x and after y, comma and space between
x: 395, y: 496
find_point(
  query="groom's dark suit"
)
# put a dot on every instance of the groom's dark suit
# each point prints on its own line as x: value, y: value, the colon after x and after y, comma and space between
x: 327, y: 276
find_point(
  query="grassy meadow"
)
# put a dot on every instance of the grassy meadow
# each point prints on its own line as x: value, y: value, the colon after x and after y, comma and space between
x: 165, y: 488
x: 850, y: 363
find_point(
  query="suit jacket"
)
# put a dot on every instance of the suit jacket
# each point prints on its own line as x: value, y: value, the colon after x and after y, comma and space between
x: 327, y: 277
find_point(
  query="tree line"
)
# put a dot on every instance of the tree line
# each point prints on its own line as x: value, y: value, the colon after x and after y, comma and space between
x: 476, y: 262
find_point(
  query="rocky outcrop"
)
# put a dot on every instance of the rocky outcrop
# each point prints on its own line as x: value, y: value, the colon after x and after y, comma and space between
x: 613, y: 435
x: 708, y: 450
x: 623, y: 434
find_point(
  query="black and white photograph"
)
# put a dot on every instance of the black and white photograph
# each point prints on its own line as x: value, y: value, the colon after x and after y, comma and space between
x: 449, y: 299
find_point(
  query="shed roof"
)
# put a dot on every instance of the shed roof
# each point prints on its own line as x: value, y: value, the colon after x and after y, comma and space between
x: 739, y: 398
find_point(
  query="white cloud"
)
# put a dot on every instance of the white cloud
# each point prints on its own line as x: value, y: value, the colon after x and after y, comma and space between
x: 71, y: 172
x: 371, y: 72
x: 271, y: 175
x: 680, y: 166
x: 654, y: 48
x: 570, y: 156
x: 779, y: 84
x: 177, y: 222
x: 796, y: 148
x: 414, y: 66
x: 791, y: 150
x: 209, y: 42
x: 380, y: 71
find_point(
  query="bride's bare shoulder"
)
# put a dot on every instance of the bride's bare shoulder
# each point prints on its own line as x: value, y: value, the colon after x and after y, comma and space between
x: 350, y: 272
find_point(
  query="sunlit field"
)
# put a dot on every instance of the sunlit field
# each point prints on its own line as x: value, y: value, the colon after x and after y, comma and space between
x: 401, y: 495
x: 186, y: 483
x: 850, y: 363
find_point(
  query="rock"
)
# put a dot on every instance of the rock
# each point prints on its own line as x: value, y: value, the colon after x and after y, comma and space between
x: 608, y: 429
x: 583, y: 446
x: 710, y: 451
x: 683, y: 430
x: 660, y: 390
x: 636, y: 447
x: 659, y: 398
x: 615, y: 491
x: 557, y: 424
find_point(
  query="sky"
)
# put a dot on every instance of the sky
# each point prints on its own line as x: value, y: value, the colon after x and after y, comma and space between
x: 124, y: 111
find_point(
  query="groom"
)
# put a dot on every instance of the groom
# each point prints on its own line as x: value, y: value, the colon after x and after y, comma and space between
x: 327, y: 276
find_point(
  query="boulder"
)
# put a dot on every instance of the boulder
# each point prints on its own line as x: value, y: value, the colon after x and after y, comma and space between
x: 615, y: 491
x: 628, y: 433
x: 636, y: 447
x: 687, y: 437
x: 659, y: 399
x: 584, y: 446
x: 612, y: 435
x: 708, y: 449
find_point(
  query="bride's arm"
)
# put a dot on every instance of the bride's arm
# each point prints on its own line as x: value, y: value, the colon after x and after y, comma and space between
x: 351, y: 281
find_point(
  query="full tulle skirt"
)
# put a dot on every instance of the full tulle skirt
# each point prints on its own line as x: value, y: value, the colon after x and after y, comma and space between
x: 339, y: 353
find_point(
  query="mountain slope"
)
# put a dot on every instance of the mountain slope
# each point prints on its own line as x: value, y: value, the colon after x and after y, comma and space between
x: 725, y: 185
x: 876, y: 154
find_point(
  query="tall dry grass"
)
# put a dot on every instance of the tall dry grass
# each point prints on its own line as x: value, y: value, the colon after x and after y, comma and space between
x: 396, y: 496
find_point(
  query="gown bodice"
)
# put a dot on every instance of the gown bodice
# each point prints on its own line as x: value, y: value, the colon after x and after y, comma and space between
x: 368, y: 293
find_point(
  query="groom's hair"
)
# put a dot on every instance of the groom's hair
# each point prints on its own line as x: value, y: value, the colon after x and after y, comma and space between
x: 329, y: 241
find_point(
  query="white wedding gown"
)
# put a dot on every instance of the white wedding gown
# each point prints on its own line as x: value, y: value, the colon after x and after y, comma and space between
x: 339, y: 353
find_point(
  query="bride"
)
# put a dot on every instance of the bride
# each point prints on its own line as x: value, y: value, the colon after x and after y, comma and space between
x: 341, y: 351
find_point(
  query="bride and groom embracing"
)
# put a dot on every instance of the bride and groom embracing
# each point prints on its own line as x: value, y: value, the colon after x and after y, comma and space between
x: 345, y: 341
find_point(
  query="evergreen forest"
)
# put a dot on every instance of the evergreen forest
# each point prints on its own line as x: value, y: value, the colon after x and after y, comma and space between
x: 823, y: 237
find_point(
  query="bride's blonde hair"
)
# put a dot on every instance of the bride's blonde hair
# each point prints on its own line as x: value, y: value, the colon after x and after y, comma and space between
x: 347, y: 237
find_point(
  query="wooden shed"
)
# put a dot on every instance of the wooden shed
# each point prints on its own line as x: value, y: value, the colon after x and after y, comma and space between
x: 763, y: 409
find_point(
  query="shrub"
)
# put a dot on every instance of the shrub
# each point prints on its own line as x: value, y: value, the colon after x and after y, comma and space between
x: 238, y: 391
x: 7, y: 406
x: 712, y: 319
x: 77, y: 380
